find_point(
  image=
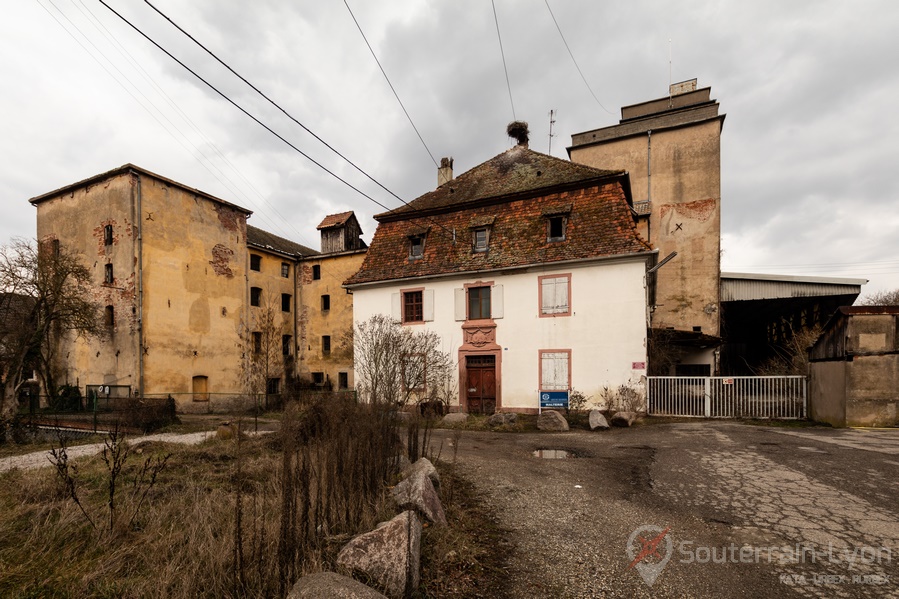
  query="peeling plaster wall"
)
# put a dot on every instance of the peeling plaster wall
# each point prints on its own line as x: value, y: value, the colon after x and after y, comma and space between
x: 194, y: 277
x: 269, y: 279
x: 194, y: 286
x: 336, y: 322
x: 78, y: 220
x: 685, y: 191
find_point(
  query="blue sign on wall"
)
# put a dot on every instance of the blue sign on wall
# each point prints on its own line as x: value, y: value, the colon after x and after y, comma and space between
x: 554, y: 399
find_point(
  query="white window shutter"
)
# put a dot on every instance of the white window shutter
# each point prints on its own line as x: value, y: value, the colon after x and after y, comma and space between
x: 428, y: 304
x: 496, y: 300
x: 459, y: 296
x: 562, y: 299
x: 396, y: 310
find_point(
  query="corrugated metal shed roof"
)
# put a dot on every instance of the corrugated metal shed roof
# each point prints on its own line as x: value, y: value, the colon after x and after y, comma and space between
x: 736, y: 287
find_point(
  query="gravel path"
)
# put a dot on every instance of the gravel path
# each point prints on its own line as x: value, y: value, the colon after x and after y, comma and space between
x: 713, y: 486
x: 41, y: 459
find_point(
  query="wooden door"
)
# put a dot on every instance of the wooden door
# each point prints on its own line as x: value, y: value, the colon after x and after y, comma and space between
x: 481, y: 384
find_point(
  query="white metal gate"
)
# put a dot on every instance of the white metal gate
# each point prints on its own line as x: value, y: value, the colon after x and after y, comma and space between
x: 780, y: 397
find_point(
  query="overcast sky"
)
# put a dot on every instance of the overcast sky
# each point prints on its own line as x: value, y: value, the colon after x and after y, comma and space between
x: 810, y: 148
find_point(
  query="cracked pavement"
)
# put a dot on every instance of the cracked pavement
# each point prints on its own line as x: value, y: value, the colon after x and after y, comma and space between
x: 753, y: 511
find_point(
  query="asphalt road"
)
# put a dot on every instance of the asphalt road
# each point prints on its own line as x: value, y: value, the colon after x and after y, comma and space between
x: 700, y: 509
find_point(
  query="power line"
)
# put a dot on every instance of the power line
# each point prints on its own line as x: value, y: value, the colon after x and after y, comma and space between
x: 230, y: 184
x: 572, y: 58
x: 243, y: 110
x: 503, y: 54
x: 275, y: 104
x: 260, y: 123
x: 359, y: 27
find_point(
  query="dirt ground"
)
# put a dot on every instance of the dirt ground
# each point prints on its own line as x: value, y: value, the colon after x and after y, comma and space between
x: 805, y: 512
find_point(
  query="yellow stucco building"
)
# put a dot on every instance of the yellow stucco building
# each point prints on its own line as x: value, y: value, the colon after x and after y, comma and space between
x: 183, y: 282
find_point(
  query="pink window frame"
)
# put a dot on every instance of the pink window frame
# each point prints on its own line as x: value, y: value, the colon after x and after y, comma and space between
x: 468, y: 286
x: 540, y: 353
x: 567, y: 275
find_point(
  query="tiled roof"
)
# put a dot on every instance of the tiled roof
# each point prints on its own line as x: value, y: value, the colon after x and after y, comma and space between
x: 514, y: 172
x: 335, y: 220
x: 599, y: 220
x: 266, y: 240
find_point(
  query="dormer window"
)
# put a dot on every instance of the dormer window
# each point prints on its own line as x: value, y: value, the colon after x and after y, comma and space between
x: 481, y: 237
x: 416, y: 246
x: 555, y: 228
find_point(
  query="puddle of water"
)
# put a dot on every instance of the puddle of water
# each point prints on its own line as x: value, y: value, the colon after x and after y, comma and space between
x: 553, y: 454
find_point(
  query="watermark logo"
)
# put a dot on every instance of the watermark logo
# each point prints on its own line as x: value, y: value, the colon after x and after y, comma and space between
x: 649, y: 549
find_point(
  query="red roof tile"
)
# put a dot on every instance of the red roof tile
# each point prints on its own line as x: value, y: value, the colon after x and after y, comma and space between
x: 335, y: 220
x: 512, y: 194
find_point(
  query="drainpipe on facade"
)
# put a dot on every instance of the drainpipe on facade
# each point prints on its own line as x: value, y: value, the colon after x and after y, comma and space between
x: 140, y: 287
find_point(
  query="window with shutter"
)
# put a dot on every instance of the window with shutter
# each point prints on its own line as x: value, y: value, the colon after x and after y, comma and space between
x: 555, y: 295
x: 555, y: 370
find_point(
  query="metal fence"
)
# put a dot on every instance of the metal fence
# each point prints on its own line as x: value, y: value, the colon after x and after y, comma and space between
x: 99, y: 413
x: 774, y: 397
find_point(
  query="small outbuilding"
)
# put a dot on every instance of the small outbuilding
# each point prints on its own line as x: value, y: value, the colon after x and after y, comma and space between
x: 854, y: 368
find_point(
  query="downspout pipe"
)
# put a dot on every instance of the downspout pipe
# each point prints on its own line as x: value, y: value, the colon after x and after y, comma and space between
x: 140, y: 285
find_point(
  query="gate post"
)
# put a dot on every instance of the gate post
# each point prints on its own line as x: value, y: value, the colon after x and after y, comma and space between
x: 708, y: 397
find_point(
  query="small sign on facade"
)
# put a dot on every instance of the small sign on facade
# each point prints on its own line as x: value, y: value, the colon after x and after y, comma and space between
x: 727, y: 382
x: 638, y: 365
x: 553, y: 399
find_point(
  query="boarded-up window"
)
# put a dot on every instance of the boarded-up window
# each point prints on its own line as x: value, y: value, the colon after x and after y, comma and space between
x: 555, y: 370
x: 201, y: 388
x: 109, y: 316
x: 554, y: 295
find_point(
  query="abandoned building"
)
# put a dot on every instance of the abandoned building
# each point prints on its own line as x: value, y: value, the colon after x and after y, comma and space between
x: 326, y: 318
x: 186, y: 287
x: 703, y: 322
x: 854, y: 368
x: 529, y: 268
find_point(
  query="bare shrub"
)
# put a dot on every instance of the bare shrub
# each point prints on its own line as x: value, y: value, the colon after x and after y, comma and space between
x: 624, y: 398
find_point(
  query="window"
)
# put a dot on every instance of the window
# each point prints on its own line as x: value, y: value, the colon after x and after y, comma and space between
x: 273, y: 386
x: 316, y: 272
x: 255, y: 296
x: 555, y: 293
x: 326, y: 344
x: 109, y: 316
x: 257, y: 342
x: 107, y: 235
x: 416, y: 246
x: 255, y: 262
x: 201, y: 388
x: 108, y: 277
x: 478, y: 302
x: 285, y: 302
x: 54, y: 245
x: 343, y: 380
x: 285, y: 270
x: 326, y: 303
x: 318, y: 378
x: 286, y: 343
x: 481, y: 238
x: 413, y: 306
x: 555, y: 228
x: 555, y: 370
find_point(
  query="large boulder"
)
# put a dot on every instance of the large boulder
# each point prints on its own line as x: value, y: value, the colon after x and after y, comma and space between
x: 425, y: 466
x: 417, y: 493
x: 454, y: 418
x: 623, y: 418
x: 550, y: 420
x: 388, y: 555
x: 502, y: 418
x: 329, y: 585
x: 597, y: 421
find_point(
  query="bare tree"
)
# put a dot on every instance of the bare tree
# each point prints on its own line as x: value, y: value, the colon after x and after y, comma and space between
x: 881, y: 298
x: 46, y: 295
x: 261, y: 346
x: 791, y: 355
x: 397, y: 365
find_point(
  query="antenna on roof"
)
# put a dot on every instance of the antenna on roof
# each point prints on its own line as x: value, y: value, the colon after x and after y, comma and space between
x: 669, y: 72
x: 552, y: 121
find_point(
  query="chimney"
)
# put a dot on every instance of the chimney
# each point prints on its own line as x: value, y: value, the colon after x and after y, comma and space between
x: 445, y: 171
x: 518, y: 130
